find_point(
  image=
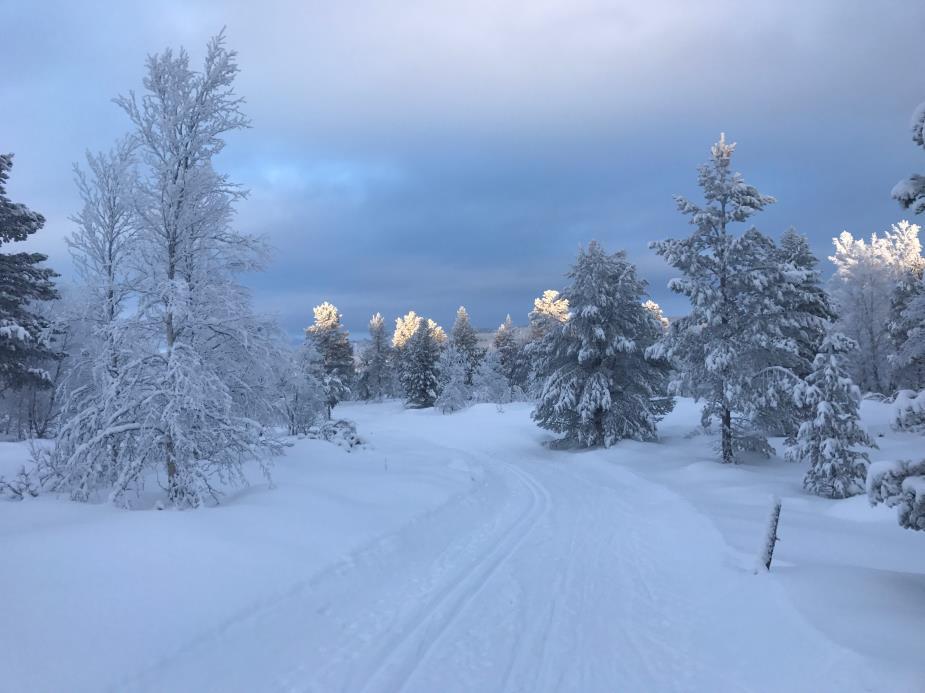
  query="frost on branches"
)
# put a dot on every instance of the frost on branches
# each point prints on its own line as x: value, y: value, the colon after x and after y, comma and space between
x: 900, y: 485
x: 375, y: 373
x: 829, y: 437
x: 24, y: 335
x: 466, y: 342
x: 737, y: 349
x: 453, y: 368
x: 600, y: 385
x: 419, y: 357
x: 910, y: 192
x: 332, y: 343
x: 489, y: 384
x: 191, y: 390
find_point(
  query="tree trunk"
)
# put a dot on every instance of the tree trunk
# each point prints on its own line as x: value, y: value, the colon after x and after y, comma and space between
x: 728, y: 456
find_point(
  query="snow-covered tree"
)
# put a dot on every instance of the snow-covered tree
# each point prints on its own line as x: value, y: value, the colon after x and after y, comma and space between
x: 419, y: 374
x: 505, y: 343
x: 301, y: 388
x: 453, y: 367
x: 805, y: 300
x: 102, y: 246
x: 656, y: 311
x: 465, y: 340
x: 600, y: 385
x: 900, y: 485
x: 910, y: 192
x: 728, y: 349
x: 907, y: 309
x: 332, y: 342
x: 24, y: 281
x: 489, y: 384
x: 867, y: 274
x: 831, y: 434
x: 549, y: 311
x: 375, y: 377
x: 189, y: 393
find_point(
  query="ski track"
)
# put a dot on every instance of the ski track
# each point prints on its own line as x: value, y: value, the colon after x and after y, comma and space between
x: 544, y: 576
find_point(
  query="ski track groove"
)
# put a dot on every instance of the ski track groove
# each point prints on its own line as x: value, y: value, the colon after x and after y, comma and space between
x: 455, y: 598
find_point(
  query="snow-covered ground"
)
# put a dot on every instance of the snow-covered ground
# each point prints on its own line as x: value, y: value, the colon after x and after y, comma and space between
x: 456, y: 553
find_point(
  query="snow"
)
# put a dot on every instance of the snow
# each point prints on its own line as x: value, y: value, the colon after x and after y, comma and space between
x: 456, y: 553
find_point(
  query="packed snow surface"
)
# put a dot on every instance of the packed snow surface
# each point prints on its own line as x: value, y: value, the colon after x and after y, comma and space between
x: 456, y: 553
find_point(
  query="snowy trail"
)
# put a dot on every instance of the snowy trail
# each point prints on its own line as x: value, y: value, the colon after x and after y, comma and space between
x: 556, y: 572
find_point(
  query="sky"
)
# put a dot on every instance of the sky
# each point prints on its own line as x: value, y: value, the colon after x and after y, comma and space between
x: 427, y: 154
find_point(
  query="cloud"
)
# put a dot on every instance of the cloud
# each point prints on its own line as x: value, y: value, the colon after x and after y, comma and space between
x: 426, y: 154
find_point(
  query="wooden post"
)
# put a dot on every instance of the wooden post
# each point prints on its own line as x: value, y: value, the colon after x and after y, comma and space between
x: 771, y: 537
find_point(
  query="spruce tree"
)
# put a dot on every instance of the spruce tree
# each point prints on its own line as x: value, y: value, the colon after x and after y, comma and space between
x: 910, y: 192
x: 601, y: 386
x: 375, y: 374
x: 727, y: 349
x: 332, y: 342
x: 420, y: 355
x: 509, y: 354
x: 464, y: 338
x: 805, y: 300
x: 24, y: 333
x: 830, y: 435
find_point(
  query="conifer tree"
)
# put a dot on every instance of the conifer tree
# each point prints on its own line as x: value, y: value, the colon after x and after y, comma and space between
x: 375, y: 373
x: 727, y: 348
x: 332, y: 342
x: 829, y: 437
x: 601, y: 386
x: 464, y: 338
x: 805, y: 299
x: 510, y: 355
x: 549, y: 311
x: 419, y: 375
x: 24, y: 333
x: 910, y: 192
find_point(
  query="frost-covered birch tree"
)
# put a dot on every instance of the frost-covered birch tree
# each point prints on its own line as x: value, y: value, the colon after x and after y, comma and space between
x: 190, y: 393
x: 831, y: 434
x: 96, y: 390
x: 600, y: 384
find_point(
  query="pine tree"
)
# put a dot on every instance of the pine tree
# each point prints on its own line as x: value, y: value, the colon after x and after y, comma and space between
x: 24, y: 334
x: 906, y: 322
x: 829, y: 437
x: 900, y: 485
x: 375, y: 370
x: 332, y: 342
x: 509, y: 353
x: 805, y: 300
x: 464, y: 338
x: 549, y: 311
x: 725, y: 348
x: 453, y: 373
x: 600, y: 384
x: 910, y: 192
x: 419, y: 375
